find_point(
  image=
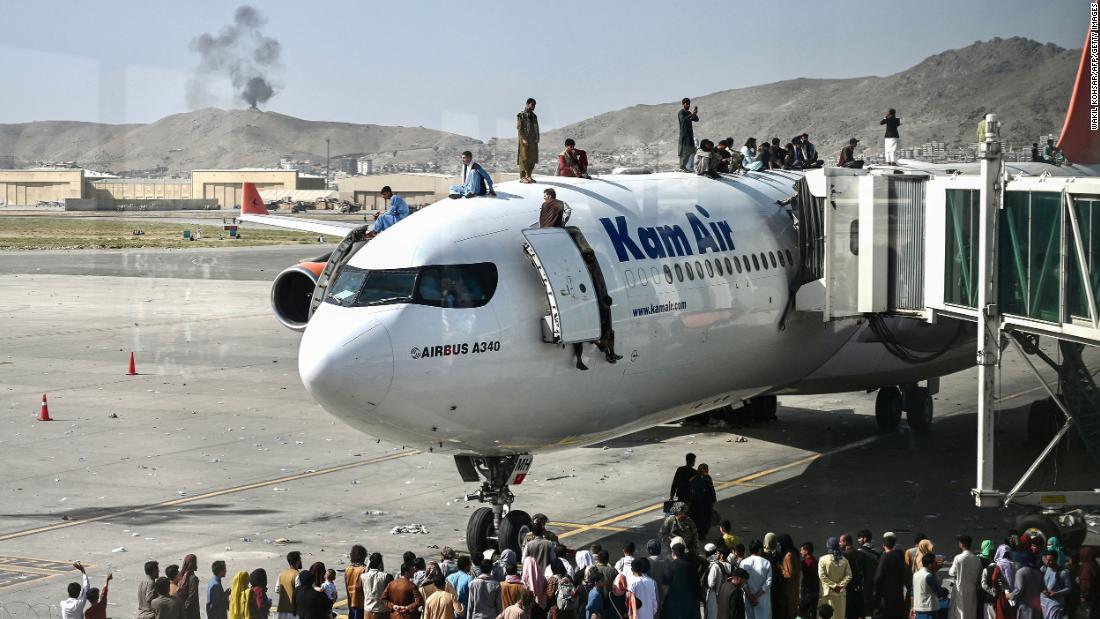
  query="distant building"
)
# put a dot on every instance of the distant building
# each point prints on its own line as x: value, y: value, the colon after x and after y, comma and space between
x: 365, y: 166
x: 299, y: 165
x: 347, y: 165
x: 7, y: 162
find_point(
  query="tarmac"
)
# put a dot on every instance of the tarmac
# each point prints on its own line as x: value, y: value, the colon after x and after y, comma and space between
x: 215, y: 448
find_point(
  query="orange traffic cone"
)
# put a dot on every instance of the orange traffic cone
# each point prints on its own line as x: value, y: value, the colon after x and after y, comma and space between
x: 132, y: 371
x: 44, y: 414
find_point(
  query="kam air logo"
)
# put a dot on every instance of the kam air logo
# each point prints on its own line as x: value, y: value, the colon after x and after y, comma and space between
x: 667, y: 241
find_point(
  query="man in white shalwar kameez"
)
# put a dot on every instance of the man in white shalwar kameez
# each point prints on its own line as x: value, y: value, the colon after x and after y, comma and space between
x: 758, y: 589
x: 966, y: 570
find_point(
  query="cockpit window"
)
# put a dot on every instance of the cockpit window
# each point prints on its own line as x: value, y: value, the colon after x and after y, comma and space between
x: 460, y: 285
x: 463, y: 285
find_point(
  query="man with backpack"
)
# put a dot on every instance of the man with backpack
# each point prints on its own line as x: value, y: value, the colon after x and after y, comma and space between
x: 718, y: 570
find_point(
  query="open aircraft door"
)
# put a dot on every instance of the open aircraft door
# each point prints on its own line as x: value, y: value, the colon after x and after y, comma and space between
x: 574, y: 309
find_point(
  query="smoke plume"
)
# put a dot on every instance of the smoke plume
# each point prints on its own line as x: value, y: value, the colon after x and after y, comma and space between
x: 240, y: 52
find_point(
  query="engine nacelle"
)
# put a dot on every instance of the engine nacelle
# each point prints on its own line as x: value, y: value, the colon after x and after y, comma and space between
x: 292, y: 293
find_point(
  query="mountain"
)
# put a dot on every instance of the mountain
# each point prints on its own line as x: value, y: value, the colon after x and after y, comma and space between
x: 940, y: 99
x: 1028, y: 84
x: 215, y: 138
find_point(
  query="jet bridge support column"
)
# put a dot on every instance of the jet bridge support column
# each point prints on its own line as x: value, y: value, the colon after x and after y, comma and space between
x: 989, y: 320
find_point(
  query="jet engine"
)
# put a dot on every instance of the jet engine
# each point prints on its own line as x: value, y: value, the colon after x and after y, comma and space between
x: 292, y: 292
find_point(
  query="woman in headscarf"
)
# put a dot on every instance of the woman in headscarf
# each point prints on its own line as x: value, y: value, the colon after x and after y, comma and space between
x: 778, y: 593
x: 535, y: 582
x: 985, y: 555
x: 187, y: 584
x: 1055, y: 545
x: 508, y: 557
x: 238, y: 596
x: 924, y: 547
x: 790, y: 574
x: 309, y: 603
x: 703, y: 498
x: 259, y: 605
x: 835, y: 573
x: 1000, y: 581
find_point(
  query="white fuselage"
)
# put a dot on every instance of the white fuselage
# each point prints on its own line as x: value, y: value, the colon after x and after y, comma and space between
x: 482, y: 380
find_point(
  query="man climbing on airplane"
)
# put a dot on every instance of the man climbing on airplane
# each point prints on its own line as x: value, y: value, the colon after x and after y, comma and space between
x: 573, y: 161
x: 398, y: 210
x: 475, y: 180
x: 552, y: 213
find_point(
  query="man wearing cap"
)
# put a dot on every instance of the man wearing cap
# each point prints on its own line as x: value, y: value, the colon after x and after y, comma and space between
x: 731, y: 595
x: 847, y: 157
x: 718, y: 571
x: 891, y: 579
x: 679, y: 525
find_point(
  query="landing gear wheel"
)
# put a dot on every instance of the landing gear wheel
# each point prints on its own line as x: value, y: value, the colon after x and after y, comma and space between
x: 888, y: 408
x: 513, y: 528
x: 479, y: 529
x: 918, y: 408
x: 1037, y: 523
x: 1043, y: 417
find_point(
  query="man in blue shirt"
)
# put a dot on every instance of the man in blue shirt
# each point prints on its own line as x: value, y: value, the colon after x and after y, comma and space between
x: 458, y: 583
x: 217, y: 598
x: 475, y: 180
x: 596, y: 586
x: 398, y: 210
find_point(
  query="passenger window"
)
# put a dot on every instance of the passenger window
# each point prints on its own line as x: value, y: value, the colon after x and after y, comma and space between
x: 699, y: 269
x: 691, y: 273
x: 655, y: 275
x: 790, y: 259
x: 782, y: 263
x: 679, y: 273
x: 668, y: 274
x: 755, y: 263
x: 764, y: 260
x: 729, y: 267
x: 737, y: 263
x: 771, y: 256
x: 642, y: 277
x: 718, y: 266
x: 630, y: 278
x: 710, y: 268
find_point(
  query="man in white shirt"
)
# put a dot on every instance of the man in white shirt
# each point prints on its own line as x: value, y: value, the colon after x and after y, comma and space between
x: 73, y: 607
x: 644, y: 590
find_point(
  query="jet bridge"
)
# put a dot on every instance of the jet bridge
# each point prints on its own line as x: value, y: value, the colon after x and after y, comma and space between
x: 1012, y: 247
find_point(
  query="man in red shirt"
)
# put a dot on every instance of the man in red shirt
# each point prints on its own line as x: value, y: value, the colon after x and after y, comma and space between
x: 98, y: 601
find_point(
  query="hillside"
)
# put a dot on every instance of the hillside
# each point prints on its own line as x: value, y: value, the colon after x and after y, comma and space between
x: 1027, y: 83
x: 215, y: 138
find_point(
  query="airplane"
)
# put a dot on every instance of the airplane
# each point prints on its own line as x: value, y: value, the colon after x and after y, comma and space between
x: 457, y: 329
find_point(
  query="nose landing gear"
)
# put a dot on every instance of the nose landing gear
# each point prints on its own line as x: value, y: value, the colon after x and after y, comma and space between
x: 497, y: 527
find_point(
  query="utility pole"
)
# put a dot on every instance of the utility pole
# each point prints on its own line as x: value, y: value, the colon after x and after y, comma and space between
x: 327, y: 172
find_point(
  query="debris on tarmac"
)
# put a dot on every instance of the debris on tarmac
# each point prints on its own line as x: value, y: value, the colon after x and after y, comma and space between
x: 119, y: 549
x: 413, y: 528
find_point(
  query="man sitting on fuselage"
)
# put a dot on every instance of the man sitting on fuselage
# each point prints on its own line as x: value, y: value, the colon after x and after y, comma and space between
x: 475, y: 180
x: 398, y: 210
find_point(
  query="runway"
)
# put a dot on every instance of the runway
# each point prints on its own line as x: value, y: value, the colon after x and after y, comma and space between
x: 215, y: 447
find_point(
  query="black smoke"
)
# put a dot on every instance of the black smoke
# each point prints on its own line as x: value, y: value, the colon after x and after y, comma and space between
x: 241, y: 52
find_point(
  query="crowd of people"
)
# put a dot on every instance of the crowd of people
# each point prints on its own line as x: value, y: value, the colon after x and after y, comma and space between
x: 682, y: 574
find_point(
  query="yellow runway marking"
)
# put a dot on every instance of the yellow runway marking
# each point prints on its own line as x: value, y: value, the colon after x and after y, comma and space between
x: 208, y: 495
x: 576, y: 525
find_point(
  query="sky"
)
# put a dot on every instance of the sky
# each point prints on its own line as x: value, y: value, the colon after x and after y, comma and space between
x: 467, y: 67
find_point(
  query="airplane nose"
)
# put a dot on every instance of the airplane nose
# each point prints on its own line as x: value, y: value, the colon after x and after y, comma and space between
x: 346, y: 361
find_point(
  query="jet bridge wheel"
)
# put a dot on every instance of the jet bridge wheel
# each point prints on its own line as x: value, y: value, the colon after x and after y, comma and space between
x: 918, y: 408
x: 888, y: 408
